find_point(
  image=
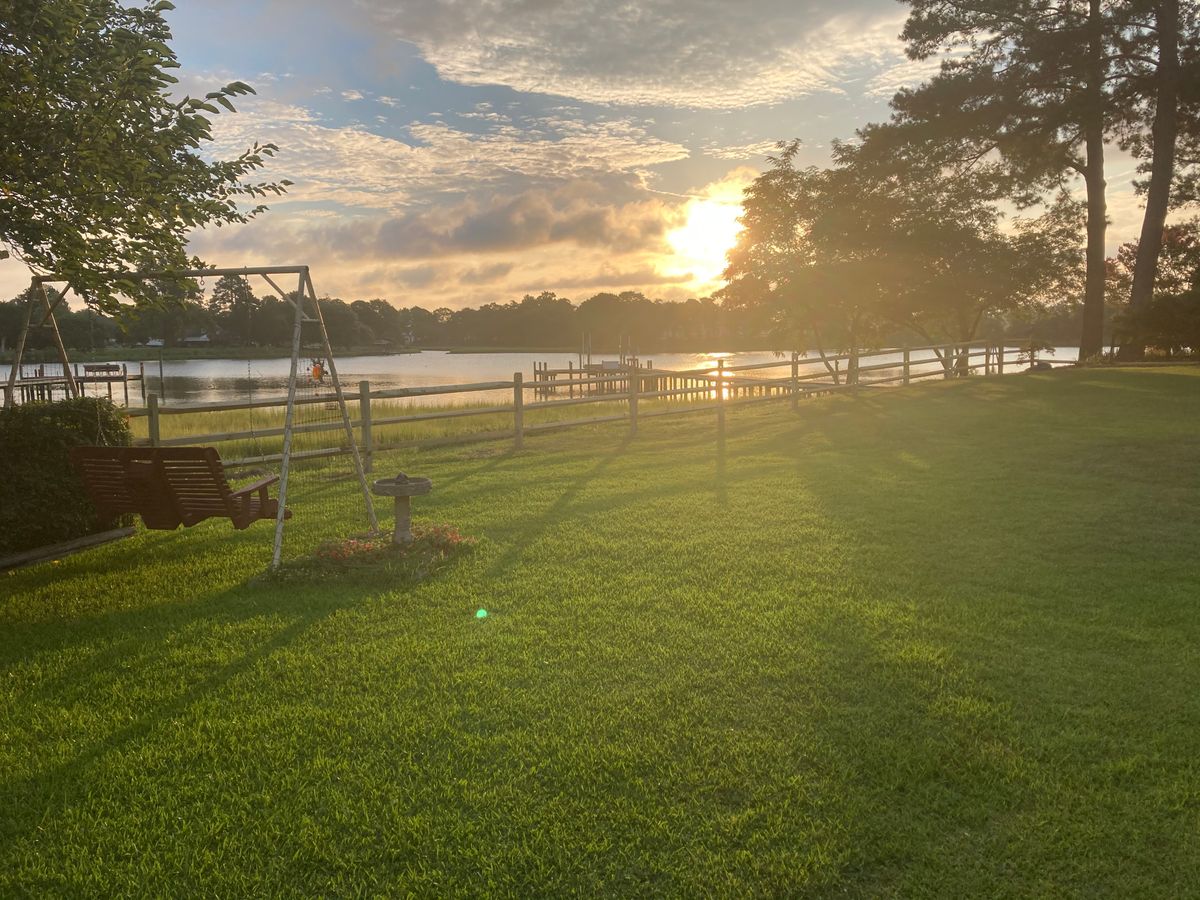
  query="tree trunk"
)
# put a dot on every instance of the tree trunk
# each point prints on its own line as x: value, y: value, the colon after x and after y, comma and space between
x: 1091, y: 342
x: 1162, y: 170
x: 832, y: 370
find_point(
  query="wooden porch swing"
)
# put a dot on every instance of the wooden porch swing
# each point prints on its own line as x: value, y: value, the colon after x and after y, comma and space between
x: 170, y: 486
x: 173, y: 486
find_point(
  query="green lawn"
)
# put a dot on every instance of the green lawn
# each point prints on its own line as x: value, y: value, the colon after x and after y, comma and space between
x: 941, y: 641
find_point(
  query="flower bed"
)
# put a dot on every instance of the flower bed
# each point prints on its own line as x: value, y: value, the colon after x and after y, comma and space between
x: 377, y: 558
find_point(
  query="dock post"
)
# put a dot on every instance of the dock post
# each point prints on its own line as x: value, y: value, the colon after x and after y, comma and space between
x: 125, y: 382
x: 518, y: 411
x: 364, y: 415
x: 796, y: 381
x: 721, y: 404
x: 634, y: 384
x: 152, y: 419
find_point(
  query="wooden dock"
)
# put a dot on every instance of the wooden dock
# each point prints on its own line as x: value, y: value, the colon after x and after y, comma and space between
x: 49, y: 381
x: 614, y: 378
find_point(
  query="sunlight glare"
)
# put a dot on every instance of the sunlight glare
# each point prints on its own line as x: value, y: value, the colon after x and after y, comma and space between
x: 710, y: 230
x: 701, y: 244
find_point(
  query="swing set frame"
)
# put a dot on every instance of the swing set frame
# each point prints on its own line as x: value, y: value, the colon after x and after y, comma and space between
x: 304, y: 293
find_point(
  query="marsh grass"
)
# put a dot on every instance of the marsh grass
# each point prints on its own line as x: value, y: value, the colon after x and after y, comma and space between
x: 202, y: 423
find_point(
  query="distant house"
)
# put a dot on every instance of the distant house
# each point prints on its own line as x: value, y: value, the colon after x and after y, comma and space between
x: 196, y: 340
x: 155, y: 342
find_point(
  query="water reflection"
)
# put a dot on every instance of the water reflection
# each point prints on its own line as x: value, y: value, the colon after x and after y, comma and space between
x: 229, y: 380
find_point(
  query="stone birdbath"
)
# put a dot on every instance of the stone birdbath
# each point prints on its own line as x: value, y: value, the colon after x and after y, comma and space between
x: 401, y: 488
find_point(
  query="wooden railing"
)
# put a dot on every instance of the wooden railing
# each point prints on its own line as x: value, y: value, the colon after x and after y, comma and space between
x: 711, y: 389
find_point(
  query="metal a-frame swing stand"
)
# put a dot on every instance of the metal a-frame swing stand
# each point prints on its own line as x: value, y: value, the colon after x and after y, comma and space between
x: 304, y: 292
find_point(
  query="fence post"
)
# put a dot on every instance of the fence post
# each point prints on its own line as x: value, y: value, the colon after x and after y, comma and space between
x: 795, y: 380
x: 1000, y: 358
x: 948, y: 362
x: 518, y: 410
x: 907, y: 366
x: 721, y: 403
x: 852, y: 367
x: 635, y: 386
x: 364, y: 415
x: 152, y: 418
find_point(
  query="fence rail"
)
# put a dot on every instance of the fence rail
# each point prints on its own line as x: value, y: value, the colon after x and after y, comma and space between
x: 711, y: 389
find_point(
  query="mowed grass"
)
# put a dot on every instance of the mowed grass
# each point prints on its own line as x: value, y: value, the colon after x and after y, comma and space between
x: 941, y: 641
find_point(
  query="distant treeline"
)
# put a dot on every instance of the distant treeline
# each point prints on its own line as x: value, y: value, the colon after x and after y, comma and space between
x: 232, y: 316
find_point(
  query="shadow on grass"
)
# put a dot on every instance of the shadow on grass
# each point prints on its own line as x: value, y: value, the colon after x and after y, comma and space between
x: 488, y: 463
x: 550, y: 517
x: 148, y: 637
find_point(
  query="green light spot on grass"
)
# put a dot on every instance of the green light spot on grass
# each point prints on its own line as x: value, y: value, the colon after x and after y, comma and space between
x: 481, y: 614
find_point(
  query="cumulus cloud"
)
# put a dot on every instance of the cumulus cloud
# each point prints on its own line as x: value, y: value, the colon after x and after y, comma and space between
x: 688, y: 53
x: 582, y: 212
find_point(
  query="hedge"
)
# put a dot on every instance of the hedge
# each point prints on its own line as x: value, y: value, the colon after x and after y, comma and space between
x: 42, y: 499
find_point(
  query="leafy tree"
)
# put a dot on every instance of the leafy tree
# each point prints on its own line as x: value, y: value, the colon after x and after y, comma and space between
x: 100, y: 167
x: 1179, y: 259
x: 343, y: 326
x: 777, y: 266
x: 1025, y: 96
x: 844, y: 253
x: 1162, y: 54
x: 272, y: 323
x: 232, y: 304
x: 381, y: 321
x: 172, y: 311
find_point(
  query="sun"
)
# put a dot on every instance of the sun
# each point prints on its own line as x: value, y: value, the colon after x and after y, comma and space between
x: 698, y: 247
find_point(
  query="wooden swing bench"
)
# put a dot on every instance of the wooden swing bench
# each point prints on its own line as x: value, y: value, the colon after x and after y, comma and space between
x: 170, y: 486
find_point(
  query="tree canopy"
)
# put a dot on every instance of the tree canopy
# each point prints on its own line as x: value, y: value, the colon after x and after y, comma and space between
x: 101, y: 165
x: 842, y: 254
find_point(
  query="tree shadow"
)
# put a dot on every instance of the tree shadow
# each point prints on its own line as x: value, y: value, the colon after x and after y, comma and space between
x: 148, y: 639
x: 520, y: 538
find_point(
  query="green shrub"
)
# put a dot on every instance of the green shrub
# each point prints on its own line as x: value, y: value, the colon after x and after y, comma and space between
x: 42, y: 499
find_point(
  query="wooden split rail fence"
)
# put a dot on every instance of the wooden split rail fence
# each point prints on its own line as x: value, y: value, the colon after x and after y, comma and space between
x: 710, y: 389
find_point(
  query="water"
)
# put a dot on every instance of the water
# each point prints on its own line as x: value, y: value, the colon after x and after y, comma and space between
x: 188, y: 382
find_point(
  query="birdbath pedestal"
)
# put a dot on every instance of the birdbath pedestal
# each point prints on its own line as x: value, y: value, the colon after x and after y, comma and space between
x: 401, y: 488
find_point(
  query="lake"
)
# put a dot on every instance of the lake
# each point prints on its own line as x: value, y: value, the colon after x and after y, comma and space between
x: 224, y: 380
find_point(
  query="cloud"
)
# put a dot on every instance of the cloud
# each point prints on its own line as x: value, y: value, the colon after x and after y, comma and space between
x: 354, y: 167
x: 908, y: 73
x: 485, y: 274
x: 756, y: 150
x: 609, y: 276
x: 585, y: 213
x: 687, y: 53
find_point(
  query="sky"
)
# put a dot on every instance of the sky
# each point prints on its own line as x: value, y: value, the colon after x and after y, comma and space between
x: 449, y: 154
